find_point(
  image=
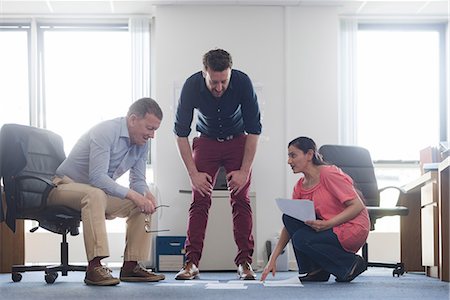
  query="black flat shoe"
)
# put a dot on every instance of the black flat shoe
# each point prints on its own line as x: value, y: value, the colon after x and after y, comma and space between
x: 315, y: 276
x: 358, y: 267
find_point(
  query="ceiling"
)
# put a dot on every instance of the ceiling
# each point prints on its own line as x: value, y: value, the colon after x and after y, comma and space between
x: 127, y: 7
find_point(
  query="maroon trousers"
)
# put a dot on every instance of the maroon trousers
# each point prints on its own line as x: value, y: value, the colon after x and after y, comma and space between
x: 209, y: 154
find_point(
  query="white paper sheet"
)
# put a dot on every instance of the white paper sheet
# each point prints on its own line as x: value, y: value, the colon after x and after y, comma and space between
x: 198, y: 281
x: 302, y: 210
x: 225, y: 286
x: 170, y: 284
x: 246, y: 282
x: 292, y: 282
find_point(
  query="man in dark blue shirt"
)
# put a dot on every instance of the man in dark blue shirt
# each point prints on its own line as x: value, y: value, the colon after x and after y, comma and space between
x: 229, y: 125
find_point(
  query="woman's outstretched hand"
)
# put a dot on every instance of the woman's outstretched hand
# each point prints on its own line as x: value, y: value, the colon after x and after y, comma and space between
x: 270, y: 267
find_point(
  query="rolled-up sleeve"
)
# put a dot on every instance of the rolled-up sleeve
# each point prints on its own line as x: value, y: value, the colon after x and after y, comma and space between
x: 184, y: 113
x: 250, y: 108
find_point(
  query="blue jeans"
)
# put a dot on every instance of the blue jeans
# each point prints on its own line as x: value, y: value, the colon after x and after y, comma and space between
x: 318, y: 250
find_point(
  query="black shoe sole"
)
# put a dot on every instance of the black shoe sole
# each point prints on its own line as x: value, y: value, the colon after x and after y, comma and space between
x: 358, y: 267
x: 321, y: 276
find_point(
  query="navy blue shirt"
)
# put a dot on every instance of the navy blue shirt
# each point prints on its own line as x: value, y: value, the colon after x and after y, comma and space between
x: 235, y: 112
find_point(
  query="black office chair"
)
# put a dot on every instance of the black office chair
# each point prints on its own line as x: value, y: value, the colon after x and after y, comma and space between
x: 29, y: 158
x: 357, y: 163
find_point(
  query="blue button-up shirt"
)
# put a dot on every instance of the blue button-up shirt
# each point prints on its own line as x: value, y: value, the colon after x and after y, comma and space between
x: 105, y: 153
x: 235, y: 112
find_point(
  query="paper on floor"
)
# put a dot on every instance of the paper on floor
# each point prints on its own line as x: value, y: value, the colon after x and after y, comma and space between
x: 170, y: 284
x: 293, y: 282
x: 197, y: 281
x: 244, y: 282
x: 225, y: 286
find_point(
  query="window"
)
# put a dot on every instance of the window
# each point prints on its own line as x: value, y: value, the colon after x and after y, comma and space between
x: 86, y: 77
x: 82, y: 74
x: 398, y: 90
x: 393, y: 97
x: 14, y: 74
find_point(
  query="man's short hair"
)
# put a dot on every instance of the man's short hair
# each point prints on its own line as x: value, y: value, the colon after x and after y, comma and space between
x: 143, y: 106
x: 217, y: 60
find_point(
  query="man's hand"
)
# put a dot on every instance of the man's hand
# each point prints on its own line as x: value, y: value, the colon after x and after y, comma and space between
x: 202, y: 182
x: 153, y: 203
x: 237, y: 180
x: 146, y: 203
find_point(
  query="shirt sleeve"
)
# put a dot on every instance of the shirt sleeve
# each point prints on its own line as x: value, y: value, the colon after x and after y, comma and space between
x: 99, y: 158
x: 250, y: 108
x: 137, y: 174
x: 185, y: 111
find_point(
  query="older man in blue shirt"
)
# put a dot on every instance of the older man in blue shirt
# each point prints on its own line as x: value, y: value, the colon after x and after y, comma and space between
x: 86, y: 182
x: 229, y: 126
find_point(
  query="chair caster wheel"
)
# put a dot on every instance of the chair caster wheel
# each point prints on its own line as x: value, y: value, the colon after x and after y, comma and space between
x: 16, y: 277
x: 51, y: 277
x: 399, y: 270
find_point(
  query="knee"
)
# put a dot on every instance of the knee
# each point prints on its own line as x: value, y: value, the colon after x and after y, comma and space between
x: 241, y: 203
x: 201, y: 204
x: 286, y: 219
x: 289, y: 221
x: 94, y: 197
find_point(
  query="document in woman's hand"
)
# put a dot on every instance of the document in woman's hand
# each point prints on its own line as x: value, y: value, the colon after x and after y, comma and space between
x: 300, y: 209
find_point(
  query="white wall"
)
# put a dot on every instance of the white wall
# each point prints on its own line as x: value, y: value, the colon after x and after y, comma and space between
x: 312, y: 76
x: 291, y: 53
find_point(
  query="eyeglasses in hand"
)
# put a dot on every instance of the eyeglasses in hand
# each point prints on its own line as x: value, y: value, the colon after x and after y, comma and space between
x: 147, y: 221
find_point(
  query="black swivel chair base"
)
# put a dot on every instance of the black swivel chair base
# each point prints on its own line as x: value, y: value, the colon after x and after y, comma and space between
x: 51, y: 272
x: 399, y: 268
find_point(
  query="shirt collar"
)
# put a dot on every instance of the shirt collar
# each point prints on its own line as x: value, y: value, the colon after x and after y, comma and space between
x: 124, y: 128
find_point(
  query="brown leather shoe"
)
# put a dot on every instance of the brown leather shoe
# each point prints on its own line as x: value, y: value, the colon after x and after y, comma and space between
x: 188, y: 272
x: 140, y: 274
x: 245, y: 272
x: 100, y: 276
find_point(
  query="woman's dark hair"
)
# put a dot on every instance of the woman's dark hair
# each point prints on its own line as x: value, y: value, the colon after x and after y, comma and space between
x: 305, y: 144
x: 145, y: 106
x: 217, y: 60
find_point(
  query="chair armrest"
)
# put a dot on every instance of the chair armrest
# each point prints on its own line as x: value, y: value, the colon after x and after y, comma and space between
x: 41, y: 186
x: 402, y: 191
x: 399, y: 189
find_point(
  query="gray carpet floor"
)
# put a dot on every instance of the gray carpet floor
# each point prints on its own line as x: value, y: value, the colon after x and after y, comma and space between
x: 375, y: 283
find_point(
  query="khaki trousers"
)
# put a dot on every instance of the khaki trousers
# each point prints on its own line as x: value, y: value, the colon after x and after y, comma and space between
x: 95, y: 207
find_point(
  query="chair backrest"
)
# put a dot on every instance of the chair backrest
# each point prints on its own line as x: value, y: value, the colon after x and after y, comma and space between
x: 27, y: 151
x: 357, y: 163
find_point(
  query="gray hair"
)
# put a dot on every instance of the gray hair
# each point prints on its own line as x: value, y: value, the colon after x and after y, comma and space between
x: 145, y: 106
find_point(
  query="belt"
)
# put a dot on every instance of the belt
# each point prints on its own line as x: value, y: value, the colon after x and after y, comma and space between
x: 221, y: 139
